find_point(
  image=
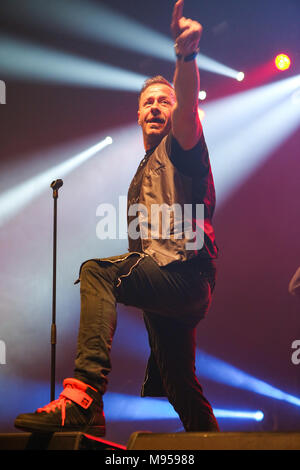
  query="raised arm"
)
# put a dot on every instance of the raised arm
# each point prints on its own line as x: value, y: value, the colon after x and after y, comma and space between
x: 186, y: 125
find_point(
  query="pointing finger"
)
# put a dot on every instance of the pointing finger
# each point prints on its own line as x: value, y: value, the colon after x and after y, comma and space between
x: 177, y: 14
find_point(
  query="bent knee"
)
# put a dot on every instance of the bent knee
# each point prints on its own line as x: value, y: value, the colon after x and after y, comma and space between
x: 88, y: 267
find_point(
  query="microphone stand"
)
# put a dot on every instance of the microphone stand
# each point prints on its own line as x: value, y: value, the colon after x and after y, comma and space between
x: 55, y: 185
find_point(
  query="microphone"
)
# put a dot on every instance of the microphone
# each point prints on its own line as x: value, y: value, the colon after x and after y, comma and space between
x: 56, y: 184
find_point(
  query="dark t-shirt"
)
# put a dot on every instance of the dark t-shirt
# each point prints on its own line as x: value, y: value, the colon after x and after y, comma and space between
x: 193, y: 163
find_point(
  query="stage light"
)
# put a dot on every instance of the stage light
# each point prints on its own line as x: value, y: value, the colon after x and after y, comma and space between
x: 282, y: 62
x: 210, y: 65
x: 121, y: 407
x: 240, y: 76
x: 222, y: 372
x: 254, y: 415
x: 259, y: 416
x: 16, y: 198
x: 103, y: 25
x: 230, y: 124
x: 202, y: 95
x: 25, y: 60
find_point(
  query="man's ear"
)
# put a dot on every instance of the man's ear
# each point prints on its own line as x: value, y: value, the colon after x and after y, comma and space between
x: 138, y: 118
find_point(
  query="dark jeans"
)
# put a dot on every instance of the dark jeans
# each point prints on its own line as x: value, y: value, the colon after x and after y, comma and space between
x: 173, y: 299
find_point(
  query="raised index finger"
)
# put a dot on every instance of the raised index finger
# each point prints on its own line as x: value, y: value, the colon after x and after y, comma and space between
x: 177, y: 13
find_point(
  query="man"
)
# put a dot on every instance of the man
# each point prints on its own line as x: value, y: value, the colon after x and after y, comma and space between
x: 169, y: 281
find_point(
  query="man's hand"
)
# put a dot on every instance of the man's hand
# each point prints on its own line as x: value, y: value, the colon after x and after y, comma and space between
x: 186, y: 32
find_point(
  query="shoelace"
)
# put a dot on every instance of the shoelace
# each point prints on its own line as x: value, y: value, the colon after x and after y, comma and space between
x: 60, y: 403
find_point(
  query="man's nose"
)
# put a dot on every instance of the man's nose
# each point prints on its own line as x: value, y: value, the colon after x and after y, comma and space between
x: 155, y: 108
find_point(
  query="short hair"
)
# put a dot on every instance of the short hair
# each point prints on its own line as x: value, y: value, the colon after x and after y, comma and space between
x: 152, y: 81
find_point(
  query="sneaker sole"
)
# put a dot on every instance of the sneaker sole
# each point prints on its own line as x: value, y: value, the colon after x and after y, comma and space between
x: 97, y: 431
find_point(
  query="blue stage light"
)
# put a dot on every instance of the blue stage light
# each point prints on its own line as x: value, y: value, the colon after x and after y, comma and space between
x: 219, y: 371
x: 232, y: 414
x: 121, y: 407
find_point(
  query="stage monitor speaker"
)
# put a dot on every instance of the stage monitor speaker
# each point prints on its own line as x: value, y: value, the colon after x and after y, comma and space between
x: 215, y: 441
x: 55, y: 441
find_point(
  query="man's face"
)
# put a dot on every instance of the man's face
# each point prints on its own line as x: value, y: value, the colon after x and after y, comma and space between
x: 154, y: 114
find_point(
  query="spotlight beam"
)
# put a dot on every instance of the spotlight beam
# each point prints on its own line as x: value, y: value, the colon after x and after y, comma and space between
x: 242, y: 159
x: 121, y: 407
x: 219, y: 371
x: 210, y: 65
x: 267, y: 113
x: 15, y: 199
x: 229, y: 113
x: 26, y: 60
x: 101, y: 24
